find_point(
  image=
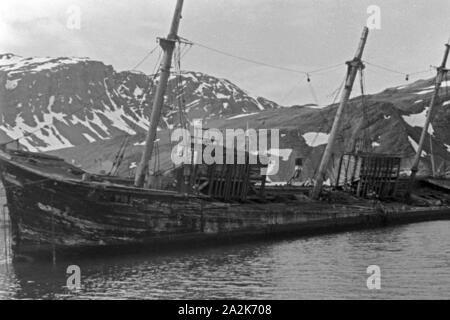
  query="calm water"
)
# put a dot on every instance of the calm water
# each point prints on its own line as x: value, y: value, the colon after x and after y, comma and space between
x: 414, y: 261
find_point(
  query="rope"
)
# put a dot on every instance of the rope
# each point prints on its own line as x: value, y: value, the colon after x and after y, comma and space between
x: 145, y: 58
x: 323, y: 123
x: 307, y: 73
x: 119, y: 157
x: 310, y: 87
x: 265, y: 64
x: 156, y: 163
x: 391, y: 70
x: 186, y: 49
x: 365, y: 120
x: 157, y: 66
x: 338, y: 92
x: 336, y: 96
x: 179, y: 91
x: 313, y: 92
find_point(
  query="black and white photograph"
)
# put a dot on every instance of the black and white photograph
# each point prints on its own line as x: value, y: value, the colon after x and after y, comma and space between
x: 236, y: 152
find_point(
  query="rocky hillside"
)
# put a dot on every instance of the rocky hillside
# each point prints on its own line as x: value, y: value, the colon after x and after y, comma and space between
x: 93, y: 108
x: 86, y: 101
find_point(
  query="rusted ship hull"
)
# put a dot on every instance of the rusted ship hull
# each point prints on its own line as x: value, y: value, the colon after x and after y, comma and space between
x: 55, y: 212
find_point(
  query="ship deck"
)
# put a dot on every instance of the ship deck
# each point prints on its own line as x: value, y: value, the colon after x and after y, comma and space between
x: 276, y: 197
x: 53, y: 168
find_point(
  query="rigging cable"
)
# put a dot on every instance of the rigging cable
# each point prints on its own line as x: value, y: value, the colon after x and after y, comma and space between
x: 312, y: 91
x: 187, y: 48
x: 179, y: 90
x: 119, y: 157
x: 264, y: 64
x: 333, y: 102
x: 338, y: 93
x: 145, y: 58
x: 156, y: 161
x: 307, y: 73
x: 366, y: 141
x: 323, y: 123
x: 391, y: 70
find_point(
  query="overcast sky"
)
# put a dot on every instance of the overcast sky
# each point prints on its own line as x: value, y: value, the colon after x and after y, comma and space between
x: 298, y: 34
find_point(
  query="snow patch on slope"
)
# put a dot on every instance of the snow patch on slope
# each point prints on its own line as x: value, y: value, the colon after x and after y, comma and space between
x: 242, y: 115
x: 418, y: 120
x: 49, y: 135
x: 314, y: 139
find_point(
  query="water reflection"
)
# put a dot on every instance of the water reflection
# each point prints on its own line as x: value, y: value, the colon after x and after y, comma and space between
x: 414, y: 259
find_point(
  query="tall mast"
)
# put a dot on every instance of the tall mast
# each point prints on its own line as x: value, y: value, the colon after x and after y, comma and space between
x: 353, y: 67
x: 441, y: 71
x: 168, y: 46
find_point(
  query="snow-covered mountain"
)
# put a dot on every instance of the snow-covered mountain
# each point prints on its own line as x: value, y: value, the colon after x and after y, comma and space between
x: 62, y: 102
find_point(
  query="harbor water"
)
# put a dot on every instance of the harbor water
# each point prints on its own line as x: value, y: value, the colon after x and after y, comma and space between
x: 414, y: 262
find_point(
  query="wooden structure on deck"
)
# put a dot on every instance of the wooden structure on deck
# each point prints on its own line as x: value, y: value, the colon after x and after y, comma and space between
x: 369, y: 174
x: 225, y: 182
